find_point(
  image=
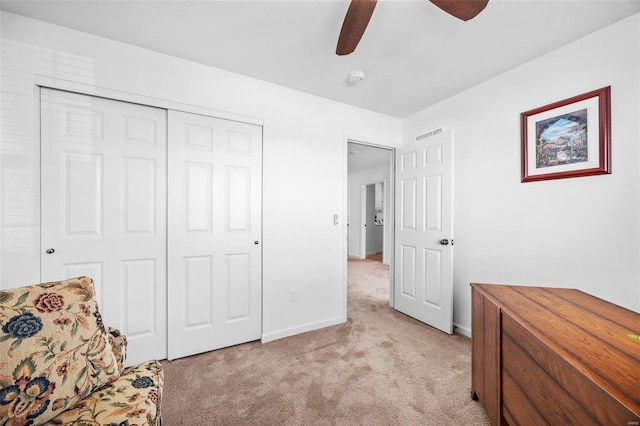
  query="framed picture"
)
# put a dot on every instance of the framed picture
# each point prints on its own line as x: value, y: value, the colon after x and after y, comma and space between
x: 569, y: 138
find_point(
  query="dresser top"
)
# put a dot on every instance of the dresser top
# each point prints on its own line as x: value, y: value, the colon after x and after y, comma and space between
x: 590, y: 333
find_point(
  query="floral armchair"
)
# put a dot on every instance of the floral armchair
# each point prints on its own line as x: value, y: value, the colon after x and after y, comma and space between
x: 60, y: 366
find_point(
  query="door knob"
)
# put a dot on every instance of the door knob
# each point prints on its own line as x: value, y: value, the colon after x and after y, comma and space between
x: 50, y: 251
x: 256, y: 242
x: 444, y: 242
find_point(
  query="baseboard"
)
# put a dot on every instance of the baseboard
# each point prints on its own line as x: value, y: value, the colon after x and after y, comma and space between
x: 281, y: 334
x: 461, y: 330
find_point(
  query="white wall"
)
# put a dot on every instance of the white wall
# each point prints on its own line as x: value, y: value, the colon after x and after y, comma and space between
x: 579, y: 233
x: 356, y: 181
x: 303, y: 171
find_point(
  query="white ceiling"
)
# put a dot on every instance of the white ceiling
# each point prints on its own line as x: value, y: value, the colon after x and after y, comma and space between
x: 413, y: 54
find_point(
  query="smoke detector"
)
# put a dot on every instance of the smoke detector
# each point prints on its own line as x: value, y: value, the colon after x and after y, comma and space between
x: 356, y: 77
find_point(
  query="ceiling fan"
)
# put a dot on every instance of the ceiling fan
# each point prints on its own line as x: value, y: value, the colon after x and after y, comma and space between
x: 360, y: 11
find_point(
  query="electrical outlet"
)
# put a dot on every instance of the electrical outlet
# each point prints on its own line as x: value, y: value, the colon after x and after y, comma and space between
x: 293, y: 295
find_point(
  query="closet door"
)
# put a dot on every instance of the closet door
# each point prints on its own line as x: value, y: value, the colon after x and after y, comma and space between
x: 104, y: 209
x: 214, y: 217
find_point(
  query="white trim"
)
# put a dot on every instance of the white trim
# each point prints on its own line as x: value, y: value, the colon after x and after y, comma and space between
x: 89, y: 89
x: 368, y: 140
x: 288, y: 332
x: 465, y: 331
x: 363, y: 221
x: 390, y: 221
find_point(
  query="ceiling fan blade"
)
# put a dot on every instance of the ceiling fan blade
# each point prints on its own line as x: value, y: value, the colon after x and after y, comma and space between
x: 355, y: 22
x: 461, y: 9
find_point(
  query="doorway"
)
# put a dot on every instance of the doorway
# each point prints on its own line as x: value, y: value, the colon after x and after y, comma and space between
x: 372, y: 210
x: 370, y: 213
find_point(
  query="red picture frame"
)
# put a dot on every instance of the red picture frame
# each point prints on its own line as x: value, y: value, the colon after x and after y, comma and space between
x: 568, y: 138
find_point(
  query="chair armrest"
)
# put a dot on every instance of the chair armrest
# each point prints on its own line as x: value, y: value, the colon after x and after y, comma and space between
x: 134, y: 398
x: 119, y: 345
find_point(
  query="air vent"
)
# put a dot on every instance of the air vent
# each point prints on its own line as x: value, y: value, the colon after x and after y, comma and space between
x: 428, y: 135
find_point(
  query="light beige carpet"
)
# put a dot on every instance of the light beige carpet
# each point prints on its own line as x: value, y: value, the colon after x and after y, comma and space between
x: 379, y: 368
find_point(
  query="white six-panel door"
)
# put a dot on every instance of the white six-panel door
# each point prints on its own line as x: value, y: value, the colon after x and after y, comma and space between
x: 214, y: 233
x: 424, y: 230
x: 104, y: 209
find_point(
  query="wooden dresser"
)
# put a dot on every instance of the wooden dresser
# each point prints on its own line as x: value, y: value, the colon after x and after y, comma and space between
x: 554, y: 356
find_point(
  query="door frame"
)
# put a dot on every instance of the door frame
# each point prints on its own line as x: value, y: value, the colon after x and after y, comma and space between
x: 118, y: 95
x: 364, y: 200
x: 363, y: 220
x: 389, y: 211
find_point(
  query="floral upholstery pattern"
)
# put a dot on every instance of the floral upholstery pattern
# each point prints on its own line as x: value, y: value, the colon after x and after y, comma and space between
x: 132, y: 400
x: 60, y: 365
x: 119, y: 345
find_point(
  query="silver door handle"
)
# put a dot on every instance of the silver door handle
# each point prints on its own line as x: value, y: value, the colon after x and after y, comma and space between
x: 444, y: 242
x: 50, y: 251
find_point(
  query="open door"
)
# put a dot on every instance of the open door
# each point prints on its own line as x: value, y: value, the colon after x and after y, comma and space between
x: 424, y: 230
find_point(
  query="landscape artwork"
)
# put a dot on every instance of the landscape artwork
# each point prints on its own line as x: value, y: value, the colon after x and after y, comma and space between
x: 562, y: 140
x: 568, y: 138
